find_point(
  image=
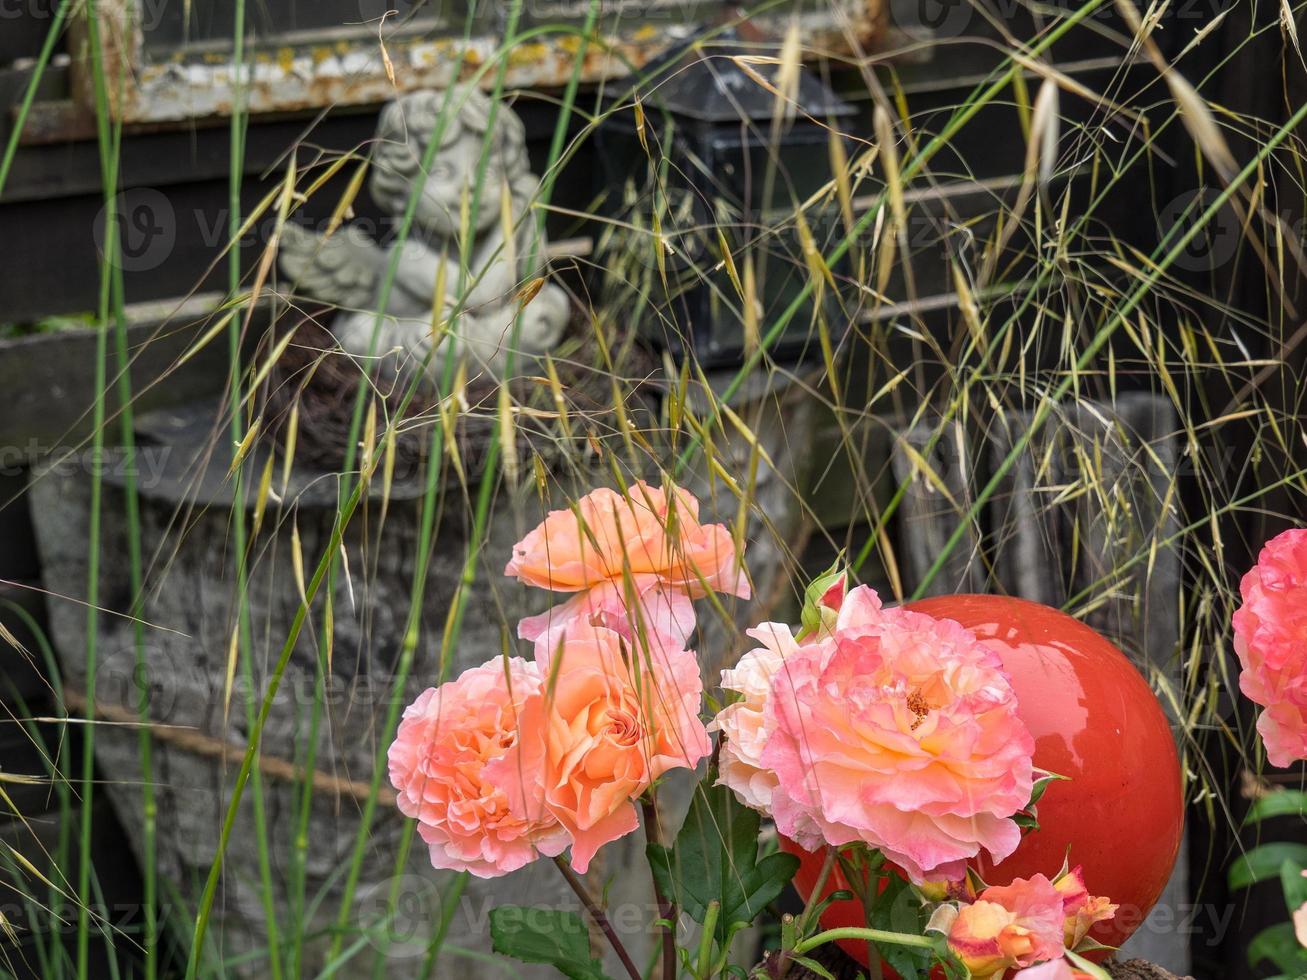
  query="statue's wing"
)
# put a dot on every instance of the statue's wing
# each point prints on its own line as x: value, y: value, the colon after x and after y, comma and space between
x: 341, y: 270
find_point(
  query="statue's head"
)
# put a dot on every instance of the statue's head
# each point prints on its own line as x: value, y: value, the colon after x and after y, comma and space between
x: 404, y: 132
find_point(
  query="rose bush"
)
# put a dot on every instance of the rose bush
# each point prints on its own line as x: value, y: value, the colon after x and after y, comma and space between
x: 886, y: 737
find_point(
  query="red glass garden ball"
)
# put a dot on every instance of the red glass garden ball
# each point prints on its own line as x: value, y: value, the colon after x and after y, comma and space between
x: 1095, y: 721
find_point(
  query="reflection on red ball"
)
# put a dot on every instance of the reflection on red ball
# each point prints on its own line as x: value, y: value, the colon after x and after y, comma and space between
x: 1095, y: 721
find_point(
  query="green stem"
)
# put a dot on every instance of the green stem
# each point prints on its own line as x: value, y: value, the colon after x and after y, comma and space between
x: 136, y: 579
x: 252, y: 748
x: 110, y: 146
x: 29, y: 95
x: 244, y: 638
x: 814, y: 896
x: 864, y: 935
x: 300, y: 845
x: 109, y: 180
x: 61, y: 781
x: 446, y: 917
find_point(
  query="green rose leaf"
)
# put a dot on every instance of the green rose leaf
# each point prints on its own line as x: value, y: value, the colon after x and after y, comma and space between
x: 1264, y: 862
x: 715, y: 858
x: 1293, y: 879
x: 1278, y: 945
x: 549, y: 936
x: 1279, y: 803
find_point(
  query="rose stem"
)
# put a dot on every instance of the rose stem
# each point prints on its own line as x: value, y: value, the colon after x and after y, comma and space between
x: 666, y: 907
x: 874, y: 961
x: 814, y: 896
x: 597, y: 914
x: 785, y: 958
x: 863, y: 888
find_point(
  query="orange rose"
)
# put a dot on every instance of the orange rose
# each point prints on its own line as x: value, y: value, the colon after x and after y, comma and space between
x: 441, y: 763
x: 655, y: 536
x: 608, y: 720
x: 1081, y: 910
x: 1016, y: 925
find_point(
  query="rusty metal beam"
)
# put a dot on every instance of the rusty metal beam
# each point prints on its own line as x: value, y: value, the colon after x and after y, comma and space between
x: 194, y: 84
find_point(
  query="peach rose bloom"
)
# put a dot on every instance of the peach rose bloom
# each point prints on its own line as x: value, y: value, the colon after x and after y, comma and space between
x: 900, y: 731
x: 658, y: 610
x: 607, y: 722
x: 744, y: 724
x: 645, y: 531
x: 1270, y: 637
x: 1011, y: 926
x: 1081, y: 910
x: 439, y: 766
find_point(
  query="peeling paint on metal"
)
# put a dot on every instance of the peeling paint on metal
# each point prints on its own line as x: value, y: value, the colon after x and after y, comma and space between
x: 310, y: 76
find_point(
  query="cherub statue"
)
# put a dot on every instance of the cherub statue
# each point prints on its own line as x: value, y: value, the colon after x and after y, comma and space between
x: 475, y: 314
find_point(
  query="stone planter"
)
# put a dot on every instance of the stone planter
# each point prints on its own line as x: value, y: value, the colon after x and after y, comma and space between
x: 49, y: 379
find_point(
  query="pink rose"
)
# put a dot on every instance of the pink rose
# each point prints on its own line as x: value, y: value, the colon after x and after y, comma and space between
x: 646, y: 532
x: 439, y: 764
x: 609, y: 720
x: 1053, y: 970
x: 657, y: 610
x: 1015, y: 925
x: 744, y: 723
x: 900, y: 731
x: 1270, y: 637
